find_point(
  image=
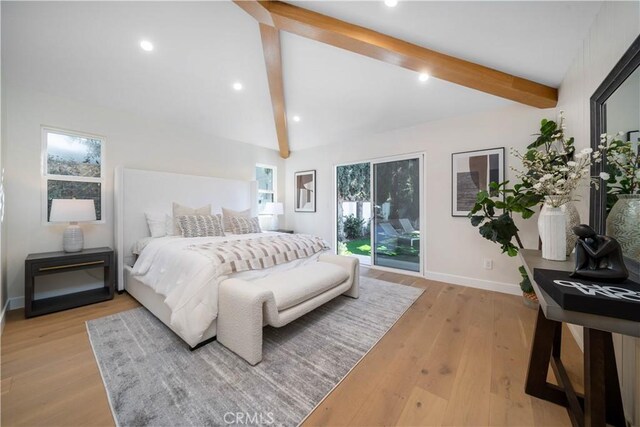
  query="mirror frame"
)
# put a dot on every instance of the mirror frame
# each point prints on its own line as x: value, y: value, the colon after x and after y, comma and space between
x: 629, y: 62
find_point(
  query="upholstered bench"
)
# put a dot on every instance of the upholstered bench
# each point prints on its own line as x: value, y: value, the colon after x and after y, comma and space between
x: 244, y: 307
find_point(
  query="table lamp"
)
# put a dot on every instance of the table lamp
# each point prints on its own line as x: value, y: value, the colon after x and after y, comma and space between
x: 274, y: 209
x: 72, y: 211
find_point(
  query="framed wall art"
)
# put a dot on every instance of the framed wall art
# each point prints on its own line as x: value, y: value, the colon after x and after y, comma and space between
x: 472, y: 171
x: 305, y: 187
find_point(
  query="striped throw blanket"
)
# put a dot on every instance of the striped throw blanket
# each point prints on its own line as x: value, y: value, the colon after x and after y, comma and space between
x: 263, y: 252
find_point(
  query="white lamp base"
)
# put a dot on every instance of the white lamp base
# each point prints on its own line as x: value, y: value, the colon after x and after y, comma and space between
x: 73, y: 239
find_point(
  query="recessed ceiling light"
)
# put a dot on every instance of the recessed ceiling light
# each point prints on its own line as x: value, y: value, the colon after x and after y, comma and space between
x: 296, y: 118
x: 146, y: 45
x: 237, y: 86
x: 423, y: 77
x: 391, y: 3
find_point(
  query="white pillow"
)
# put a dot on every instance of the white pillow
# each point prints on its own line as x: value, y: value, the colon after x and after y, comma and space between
x: 180, y: 210
x: 227, y: 214
x: 157, y: 223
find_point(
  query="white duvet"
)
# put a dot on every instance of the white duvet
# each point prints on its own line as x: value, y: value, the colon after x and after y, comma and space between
x: 189, y: 281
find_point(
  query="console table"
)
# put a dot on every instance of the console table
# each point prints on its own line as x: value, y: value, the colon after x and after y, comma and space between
x: 602, y: 401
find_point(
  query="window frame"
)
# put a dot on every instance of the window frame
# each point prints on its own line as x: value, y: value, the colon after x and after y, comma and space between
x: 45, y: 177
x: 274, y: 184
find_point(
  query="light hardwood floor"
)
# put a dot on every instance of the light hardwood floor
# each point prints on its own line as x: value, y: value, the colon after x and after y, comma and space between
x: 457, y: 357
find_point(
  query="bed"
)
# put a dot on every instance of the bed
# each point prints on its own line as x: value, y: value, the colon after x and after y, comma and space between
x: 164, y: 267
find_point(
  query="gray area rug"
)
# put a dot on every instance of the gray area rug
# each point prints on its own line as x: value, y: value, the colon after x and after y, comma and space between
x: 152, y: 378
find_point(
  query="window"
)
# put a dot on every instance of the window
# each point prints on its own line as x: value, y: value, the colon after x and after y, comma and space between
x: 267, y: 177
x: 72, y: 168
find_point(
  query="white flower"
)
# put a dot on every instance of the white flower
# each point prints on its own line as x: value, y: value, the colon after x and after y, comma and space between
x: 537, y: 186
x: 604, y: 176
x: 620, y: 133
x: 560, y: 181
x: 587, y: 150
x: 571, y: 163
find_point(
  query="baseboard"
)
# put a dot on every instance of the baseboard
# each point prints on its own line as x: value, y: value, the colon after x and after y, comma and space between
x: 576, y: 331
x: 16, y: 302
x: 2, y: 316
x: 505, y: 288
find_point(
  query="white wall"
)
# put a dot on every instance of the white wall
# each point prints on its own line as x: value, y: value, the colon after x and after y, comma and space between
x: 454, y: 249
x: 612, y: 32
x: 130, y: 141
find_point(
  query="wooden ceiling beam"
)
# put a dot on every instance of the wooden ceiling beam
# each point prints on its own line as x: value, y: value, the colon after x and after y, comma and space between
x: 273, y: 60
x: 385, y: 48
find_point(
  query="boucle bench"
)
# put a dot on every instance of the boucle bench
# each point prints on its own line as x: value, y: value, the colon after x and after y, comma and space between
x: 244, y: 307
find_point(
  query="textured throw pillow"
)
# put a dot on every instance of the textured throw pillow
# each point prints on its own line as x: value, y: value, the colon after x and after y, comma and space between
x: 179, y: 210
x: 227, y: 214
x: 200, y: 225
x: 242, y: 225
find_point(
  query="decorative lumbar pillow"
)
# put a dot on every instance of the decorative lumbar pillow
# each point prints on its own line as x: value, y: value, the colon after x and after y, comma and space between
x: 242, y: 225
x: 180, y: 210
x: 157, y: 223
x: 227, y: 214
x: 200, y: 225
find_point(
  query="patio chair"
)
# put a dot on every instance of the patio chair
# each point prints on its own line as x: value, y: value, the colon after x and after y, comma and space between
x: 406, y: 226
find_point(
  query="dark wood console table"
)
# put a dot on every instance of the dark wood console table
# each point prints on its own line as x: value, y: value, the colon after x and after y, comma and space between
x: 602, y: 401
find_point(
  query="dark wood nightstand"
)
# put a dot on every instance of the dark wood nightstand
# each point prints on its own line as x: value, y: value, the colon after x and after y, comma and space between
x: 60, y: 262
x: 284, y: 231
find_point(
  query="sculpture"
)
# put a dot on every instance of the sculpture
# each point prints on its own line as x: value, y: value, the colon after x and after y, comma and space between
x: 598, y: 257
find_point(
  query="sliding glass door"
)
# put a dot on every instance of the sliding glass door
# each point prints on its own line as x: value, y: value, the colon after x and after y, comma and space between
x: 396, y: 220
x: 379, y: 212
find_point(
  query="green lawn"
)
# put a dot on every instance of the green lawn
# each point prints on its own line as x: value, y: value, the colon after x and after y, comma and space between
x: 360, y: 247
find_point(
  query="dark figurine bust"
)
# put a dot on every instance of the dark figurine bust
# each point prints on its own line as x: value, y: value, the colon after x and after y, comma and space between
x: 598, y: 257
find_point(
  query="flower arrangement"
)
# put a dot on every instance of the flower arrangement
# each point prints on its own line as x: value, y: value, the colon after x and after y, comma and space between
x: 623, y: 165
x: 551, y: 166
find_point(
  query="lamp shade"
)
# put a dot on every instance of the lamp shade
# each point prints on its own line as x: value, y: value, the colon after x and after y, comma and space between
x: 274, y: 208
x: 72, y: 210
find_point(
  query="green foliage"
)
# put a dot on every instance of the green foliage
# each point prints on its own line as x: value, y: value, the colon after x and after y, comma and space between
x: 343, y: 249
x: 354, y: 182
x: 525, y: 284
x: 501, y: 229
x: 352, y: 227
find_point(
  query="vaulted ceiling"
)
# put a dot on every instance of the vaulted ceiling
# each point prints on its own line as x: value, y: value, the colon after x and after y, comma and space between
x: 89, y: 51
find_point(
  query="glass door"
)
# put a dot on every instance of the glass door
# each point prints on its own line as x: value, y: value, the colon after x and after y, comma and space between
x: 353, y: 206
x: 396, y: 228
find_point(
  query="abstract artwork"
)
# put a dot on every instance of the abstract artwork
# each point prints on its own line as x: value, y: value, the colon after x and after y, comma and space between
x: 305, y: 185
x: 472, y: 171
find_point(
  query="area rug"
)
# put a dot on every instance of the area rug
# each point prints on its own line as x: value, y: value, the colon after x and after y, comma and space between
x: 152, y: 378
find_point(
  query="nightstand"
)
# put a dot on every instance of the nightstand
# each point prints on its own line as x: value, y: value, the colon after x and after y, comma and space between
x: 60, y: 262
x: 284, y: 231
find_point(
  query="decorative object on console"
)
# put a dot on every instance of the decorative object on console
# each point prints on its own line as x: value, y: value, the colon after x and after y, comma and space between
x: 472, y: 172
x: 274, y: 209
x: 598, y: 257
x: 551, y: 168
x: 72, y: 211
x: 623, y: 190
x: 305, y: 187
x: 621, y: 301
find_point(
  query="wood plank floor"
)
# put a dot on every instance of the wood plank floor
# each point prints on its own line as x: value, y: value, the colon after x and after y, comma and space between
x: 457, y: 357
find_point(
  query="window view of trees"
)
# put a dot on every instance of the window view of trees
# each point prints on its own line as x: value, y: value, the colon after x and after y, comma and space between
x: 354, y: 209
x: 73, y: 168
x: 265, y: 175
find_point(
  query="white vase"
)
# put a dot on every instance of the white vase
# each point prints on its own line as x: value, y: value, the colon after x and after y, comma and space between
x: 552, y: 225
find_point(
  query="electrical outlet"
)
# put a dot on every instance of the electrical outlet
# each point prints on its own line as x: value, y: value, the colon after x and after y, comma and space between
x: 488, y: 264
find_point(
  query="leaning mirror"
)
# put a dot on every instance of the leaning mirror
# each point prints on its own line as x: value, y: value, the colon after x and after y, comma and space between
x: 615, y: 129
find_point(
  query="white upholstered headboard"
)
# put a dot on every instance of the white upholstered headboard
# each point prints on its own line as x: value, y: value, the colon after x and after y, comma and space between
x: 140, y: 191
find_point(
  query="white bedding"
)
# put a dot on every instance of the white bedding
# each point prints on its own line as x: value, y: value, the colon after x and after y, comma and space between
x: 188, y: 280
